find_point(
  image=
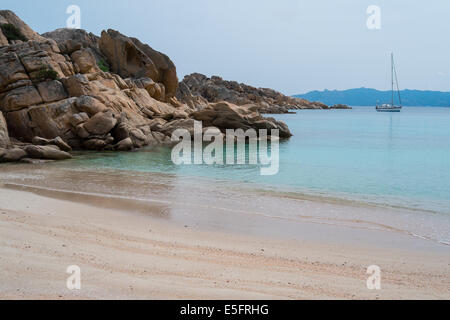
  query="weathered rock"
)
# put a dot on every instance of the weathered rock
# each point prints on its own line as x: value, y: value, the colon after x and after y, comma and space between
x: 20, y: 98
x: 38, y: 57
x: 180, y: 114
x: 101, y: 123
x: 128, y: 57
x: 3, y: 40
x: 56, y: 142
x: 109, y: 139
x: 125, y: 57
x: 46, y: 152
x: 51, y: 91
x: 161, y: 138
x: 79, y: 85
x: 84, y: 61
x: 90, y: 105
x: 70, y: 46
x: 12, y: 155
x: 11, y: 70
x: 225, y: 115
x: 169, y: 127
x: 124, y: 145
x: 46, y: 120
x: 156, y: 124
x: 155, y: 90
x: 81, y: 131
x: 167, y: 72
x: 71, y: 40
x: 4, y: 136
x: 94, y: 144
x: 150, y: 139
x: 138, y: 137
x: 79, y: 118
x: 122, y: 131
x: 40, y: 141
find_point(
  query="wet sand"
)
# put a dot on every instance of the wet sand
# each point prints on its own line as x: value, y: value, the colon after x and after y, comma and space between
x: 176, y: 244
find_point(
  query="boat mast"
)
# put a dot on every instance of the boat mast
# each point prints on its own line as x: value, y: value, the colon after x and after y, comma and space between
x: 398, y: 87
x: 392, y: 78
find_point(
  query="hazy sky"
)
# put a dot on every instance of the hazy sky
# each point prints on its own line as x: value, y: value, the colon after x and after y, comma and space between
x: 290, y: 45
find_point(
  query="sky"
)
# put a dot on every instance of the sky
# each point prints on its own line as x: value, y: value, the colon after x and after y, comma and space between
x: 293, y: 46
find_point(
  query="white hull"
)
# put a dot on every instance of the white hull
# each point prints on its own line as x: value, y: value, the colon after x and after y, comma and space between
x: 389, y: 109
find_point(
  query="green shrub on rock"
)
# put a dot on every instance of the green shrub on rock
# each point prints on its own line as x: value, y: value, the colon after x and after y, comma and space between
x: 11, y: 32
x: 47, y: 73
x: 103, y: 66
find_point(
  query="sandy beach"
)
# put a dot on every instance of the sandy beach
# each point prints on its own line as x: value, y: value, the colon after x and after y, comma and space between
x: 128, y: 250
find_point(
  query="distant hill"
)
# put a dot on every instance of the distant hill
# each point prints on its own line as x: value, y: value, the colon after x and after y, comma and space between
x: 369, y: 97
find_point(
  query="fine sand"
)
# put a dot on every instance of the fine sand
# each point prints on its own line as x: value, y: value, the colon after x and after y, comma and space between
x: 129, y: 253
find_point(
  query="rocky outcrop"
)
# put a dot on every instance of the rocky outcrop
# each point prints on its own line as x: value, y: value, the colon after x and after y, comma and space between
x: 12, y: 155
x: 82, y: 105
x: 43, y: 149
x: 71, y: 40
x: 74, y: 90
x: 39, y: 141
x: 166, y: 70
x: 224, y: 115
x: 197, y: 89
x: 129, y: 57
x: 49, y: 152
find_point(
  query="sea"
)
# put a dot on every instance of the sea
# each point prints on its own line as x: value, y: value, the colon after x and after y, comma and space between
x: 392, y: 160
x: 388, y: 158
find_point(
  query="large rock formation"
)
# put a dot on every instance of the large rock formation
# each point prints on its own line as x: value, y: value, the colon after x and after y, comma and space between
x: 56, y: 94
x: 129, y: 57
x: 71, y: 40
x: 198, y: 89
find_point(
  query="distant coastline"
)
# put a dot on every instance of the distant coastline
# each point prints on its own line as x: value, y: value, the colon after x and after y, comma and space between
x: 369, y: 97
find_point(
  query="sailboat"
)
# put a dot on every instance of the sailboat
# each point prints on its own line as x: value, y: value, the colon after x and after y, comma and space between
x: 391, y: 107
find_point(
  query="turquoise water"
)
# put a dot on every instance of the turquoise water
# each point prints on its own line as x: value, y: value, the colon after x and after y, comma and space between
x: 389, y: 158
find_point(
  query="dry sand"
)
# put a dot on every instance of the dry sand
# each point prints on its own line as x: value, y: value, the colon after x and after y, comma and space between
x: 131, y: 255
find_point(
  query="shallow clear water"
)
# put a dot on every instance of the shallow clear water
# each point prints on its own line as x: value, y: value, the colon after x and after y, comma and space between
x: 400, y: 159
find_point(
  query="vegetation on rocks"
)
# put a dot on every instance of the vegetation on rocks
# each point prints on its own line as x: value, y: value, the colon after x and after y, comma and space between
x: 103, y: 66
x: 47, y: 73
x: 11, y: 32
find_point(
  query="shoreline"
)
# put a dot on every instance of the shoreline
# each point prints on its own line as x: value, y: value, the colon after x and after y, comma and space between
x: 131, y: 204
x: 131, y: 254
x: 178, y: 188
x: 279, y: 190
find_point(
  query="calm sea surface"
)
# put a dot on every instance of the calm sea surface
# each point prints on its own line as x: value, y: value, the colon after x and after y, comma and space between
x: 396, y: 166
x: 400, y: 159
